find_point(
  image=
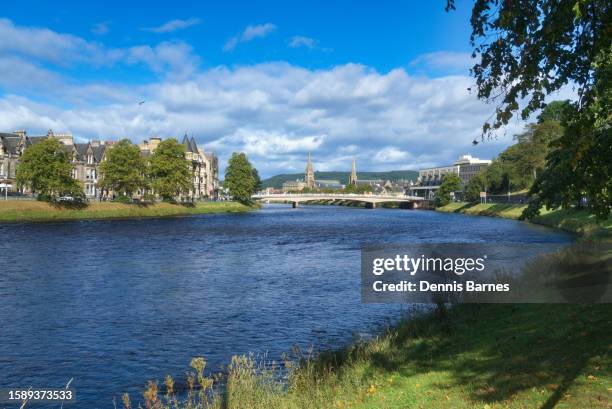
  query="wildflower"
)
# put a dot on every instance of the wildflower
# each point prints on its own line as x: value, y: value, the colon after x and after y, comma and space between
x: 126, y: 401
x: 169, y: 385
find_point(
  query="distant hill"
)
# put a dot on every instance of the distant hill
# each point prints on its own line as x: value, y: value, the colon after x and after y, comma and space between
x: 343, y: 177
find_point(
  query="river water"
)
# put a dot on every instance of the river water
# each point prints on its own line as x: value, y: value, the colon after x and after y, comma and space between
x: 113, y: 304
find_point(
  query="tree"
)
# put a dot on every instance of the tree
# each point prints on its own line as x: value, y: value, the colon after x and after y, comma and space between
x: 258, y: 183
x: 45, y: 168
x: 450, y: 183
x: 477, y: 184
x: 239, y: 178
x: 169, y: 171
x: 528, y: 49
x: 554, y: 111
x: 123, y: 170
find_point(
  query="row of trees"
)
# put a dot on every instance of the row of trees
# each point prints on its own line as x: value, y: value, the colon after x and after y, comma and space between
x: 518, y: 167
x: 527, y: 50
x: 46, y: 169
x: 166, y: 172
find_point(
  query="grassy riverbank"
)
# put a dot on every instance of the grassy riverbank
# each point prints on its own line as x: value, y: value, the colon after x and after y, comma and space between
x: 476, y: 356
x: 30, y: 210
x: 576, y: 221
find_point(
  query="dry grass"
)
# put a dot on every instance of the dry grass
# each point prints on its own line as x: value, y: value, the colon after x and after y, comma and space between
x: 31, y: 210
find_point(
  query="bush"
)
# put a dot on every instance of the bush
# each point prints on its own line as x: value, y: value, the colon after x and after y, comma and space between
x: 123, y: 199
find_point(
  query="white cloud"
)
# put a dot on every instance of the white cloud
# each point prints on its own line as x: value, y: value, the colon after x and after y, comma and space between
x: 174, y: 25
x: 275, y: 112
x: 391, y: 154
x: 248, y: 34
x: 448, y: 61
x: 41, y: 45
x: 301, y: 41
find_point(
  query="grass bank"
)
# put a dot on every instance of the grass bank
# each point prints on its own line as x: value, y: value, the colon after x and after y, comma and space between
x: 30, y: 210
x: 477, y: 356
x: 575, y: 221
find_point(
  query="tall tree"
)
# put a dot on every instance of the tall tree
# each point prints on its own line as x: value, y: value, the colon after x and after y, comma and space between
x: 123, y: 170
x: 477, y: 184
x: 527, y: 49
x: 170, y: 172
x: 258, y: 183
x: 451, y: 183
x: 239, y: 179
x: 45, y: 168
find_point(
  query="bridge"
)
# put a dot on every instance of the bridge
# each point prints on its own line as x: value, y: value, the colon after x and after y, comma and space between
x: 370, y: 200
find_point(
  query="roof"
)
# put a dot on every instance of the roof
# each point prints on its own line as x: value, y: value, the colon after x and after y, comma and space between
x: 10, y: 142
x: 33, y: 140
x: 98, y: 152
x: 81, y: 150
x: 187, y: 143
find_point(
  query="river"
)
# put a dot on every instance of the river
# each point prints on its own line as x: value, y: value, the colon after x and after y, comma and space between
x: 115, y: 303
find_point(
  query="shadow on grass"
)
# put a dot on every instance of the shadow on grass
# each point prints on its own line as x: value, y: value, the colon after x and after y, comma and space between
x: 494, y: 352
x: 491, y: 352
x: 69, y: 205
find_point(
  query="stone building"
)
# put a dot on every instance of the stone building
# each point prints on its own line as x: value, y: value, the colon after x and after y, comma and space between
x: 309, y: 178
x: 86, y: 158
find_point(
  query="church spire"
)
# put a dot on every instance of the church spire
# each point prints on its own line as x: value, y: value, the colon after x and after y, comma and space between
x: 353, y: 178
x: 309, y: 175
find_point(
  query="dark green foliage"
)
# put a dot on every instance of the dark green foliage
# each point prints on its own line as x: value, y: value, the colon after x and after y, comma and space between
x: 240, y: 178
x: 169, y: 172
x: 528, y: 49
x: 555, y: 111
x: 45, y: 169
x: 517, y: 167
x: 450, y: 183
x: 124, y: 169
x: 358, y: 189
x: 476, y: 185
x: 531, y: 48
x: 258, y: 183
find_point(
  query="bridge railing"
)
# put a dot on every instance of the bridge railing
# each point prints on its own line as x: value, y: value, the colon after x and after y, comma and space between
x: 327, y: 195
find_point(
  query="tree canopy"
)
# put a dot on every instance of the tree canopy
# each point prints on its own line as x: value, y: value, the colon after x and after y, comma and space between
x: 45, y: 168
x: 123, y: 170
x: 239, y: 178
x: 451, y: 183
x: 527, y: 49
x: 170, y: 173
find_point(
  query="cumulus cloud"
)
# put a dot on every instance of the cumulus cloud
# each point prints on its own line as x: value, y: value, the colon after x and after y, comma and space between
x: 174, y: 25
x: 41, y: 45
x: 275, y: 112
x: 250, y: 33
x: 391, y: 154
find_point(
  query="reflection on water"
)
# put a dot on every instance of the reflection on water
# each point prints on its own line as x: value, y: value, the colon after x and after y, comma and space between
x: 115, y: 303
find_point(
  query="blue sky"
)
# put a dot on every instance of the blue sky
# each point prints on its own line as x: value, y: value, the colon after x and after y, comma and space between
x: 384, y: 83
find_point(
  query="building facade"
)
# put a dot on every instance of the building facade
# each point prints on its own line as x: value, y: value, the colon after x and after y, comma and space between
x: 429, y: 180
x: 87, y: 157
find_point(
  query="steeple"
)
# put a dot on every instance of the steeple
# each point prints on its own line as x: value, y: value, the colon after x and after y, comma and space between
x: 309, y: 175
x: 353, y: 178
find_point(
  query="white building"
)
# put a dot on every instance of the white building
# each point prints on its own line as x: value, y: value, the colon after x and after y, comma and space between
x: 430, y: 179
